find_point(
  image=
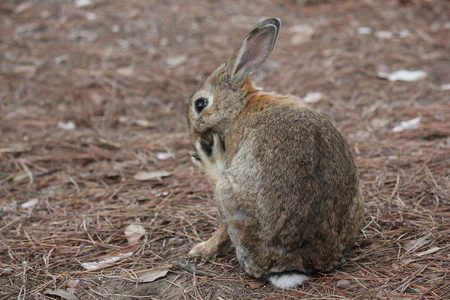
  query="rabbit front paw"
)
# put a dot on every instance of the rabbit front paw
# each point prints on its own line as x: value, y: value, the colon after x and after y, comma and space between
x: 211, y: 158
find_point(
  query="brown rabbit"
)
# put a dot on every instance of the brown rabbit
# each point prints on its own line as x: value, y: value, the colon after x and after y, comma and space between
x: 286, y: 185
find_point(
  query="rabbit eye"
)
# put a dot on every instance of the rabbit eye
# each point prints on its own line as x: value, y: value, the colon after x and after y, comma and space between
x: 200, y: 104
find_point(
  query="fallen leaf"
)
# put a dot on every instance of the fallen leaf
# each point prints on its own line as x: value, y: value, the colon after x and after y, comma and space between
x: 126, y: 71
x: 20, y: 176
x: 406, y: 261
x: 384, y: 34
x: 115, y: 28
x: 15, y: 149
x: 445, y: 87
x: 109, y: 143
x: 396, y: 267
x: 416, y: 244
x: 313, y: 97
x: 176, y: 61
x: 410, y: 124
x: 364, y: 30
x: 69, y: 125
x: 404, y: 33
x: 30, y: 203
x: 403, y: 75
x: 72, y: 283
x: 301, y: 33
x: 62, y: 59
x: 151, y: 175
x: 343, y: 284
x: 106, y: 261
x: 254, y: 284
x: 82, y: 3
x: 145, y: 123
x: 152, y: 275
x: 22, y: 7
x: 134, y: 232
x: 24, y: 69
x: 76, y: 283
x: 91, y: 16
x: 165, y: 155
x: 61, y: 293
x: 429, y: 251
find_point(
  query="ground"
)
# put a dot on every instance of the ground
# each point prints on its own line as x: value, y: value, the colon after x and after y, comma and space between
x: 93, y: 93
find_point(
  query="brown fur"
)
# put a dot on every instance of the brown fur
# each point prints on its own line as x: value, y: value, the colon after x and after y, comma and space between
x: 286, y: 185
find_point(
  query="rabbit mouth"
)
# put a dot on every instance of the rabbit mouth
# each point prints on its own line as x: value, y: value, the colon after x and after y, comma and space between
x: 201, y: 126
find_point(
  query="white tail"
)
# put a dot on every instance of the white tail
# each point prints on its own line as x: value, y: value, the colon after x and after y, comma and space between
x: 287, y: 281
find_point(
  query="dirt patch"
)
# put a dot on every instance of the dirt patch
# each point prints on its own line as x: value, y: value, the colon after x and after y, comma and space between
x: 94, y: 92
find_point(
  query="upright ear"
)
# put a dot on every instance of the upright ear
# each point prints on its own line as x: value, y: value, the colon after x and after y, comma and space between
x: 253, y: 51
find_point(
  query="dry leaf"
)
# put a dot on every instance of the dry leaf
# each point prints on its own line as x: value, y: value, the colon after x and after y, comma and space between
x: 20, y: 176
x: 134, y: 233
x: 416, y: 244
x: 106, y: 261
x: 176, y: 61
x: 61, y: 293
x: 429, y: 251
x: 82, y: 3
x: 22, y: 7
x: 109, y: 143
x: 151, y: 175
x: 364, y: 30
x: 126, y: 71
x: 30, y: 203
x: 301, y: 33
x: 145, y: 123
x: 410, y: 124
x: 24, y: 69
x: 403, y: 75
x: 254, y: 284
x: 383, y: 34
x: 15, y: 149
x: 76, y: 283
x: 72, y: 283
x: 343, y: 284
x: 313, y: 97
x: 165, y: 155
x: 152, y: 275
x: 69, y: 125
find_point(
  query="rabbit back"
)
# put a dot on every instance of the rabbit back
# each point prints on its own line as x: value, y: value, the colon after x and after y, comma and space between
x: 290, y: 194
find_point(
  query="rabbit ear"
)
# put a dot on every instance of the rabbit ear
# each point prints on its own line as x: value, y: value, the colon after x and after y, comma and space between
x: 254, y: 50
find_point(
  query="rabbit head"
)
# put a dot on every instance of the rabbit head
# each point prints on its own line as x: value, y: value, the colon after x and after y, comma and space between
x: 221, y: 97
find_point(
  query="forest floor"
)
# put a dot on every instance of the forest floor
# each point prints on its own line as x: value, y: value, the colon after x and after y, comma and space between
x: 93, y: 97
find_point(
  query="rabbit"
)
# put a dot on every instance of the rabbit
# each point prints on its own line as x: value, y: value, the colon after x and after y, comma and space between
x: 285, y: 183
